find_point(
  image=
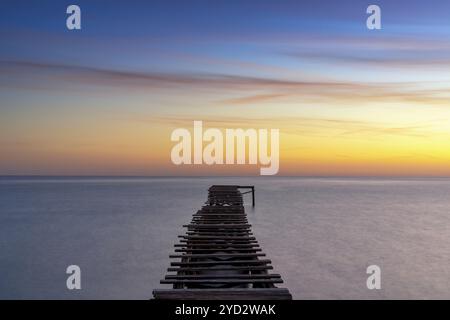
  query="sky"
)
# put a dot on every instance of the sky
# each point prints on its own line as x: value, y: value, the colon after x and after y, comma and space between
x: 104, y: 100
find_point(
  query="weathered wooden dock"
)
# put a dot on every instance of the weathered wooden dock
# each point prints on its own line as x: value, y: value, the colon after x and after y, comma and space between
x: 218, y: 257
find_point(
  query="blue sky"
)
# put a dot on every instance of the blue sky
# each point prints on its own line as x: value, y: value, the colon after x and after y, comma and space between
x: 35, y: 30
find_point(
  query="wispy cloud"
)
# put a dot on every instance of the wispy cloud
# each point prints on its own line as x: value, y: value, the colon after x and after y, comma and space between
x: 247, y: 89
x: 302, y: 126
x: 258, y: 98
x: 386, y: 59
x: 392, y: 50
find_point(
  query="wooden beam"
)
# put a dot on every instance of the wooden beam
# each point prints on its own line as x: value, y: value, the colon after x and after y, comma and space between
x: 218, y: 237
x: 218, y: 245
x: 218, y: 250
x: 206, y: 263
x: 218, y: 255
x: 223, y: 294
x: 225, y: 281
x: 222, y: 268
x: 224, y: 276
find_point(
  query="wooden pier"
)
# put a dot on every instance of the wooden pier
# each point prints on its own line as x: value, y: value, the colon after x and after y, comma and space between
x: 218, y: 257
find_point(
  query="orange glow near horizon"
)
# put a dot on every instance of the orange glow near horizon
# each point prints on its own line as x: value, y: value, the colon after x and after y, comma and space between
x: 308, y: 147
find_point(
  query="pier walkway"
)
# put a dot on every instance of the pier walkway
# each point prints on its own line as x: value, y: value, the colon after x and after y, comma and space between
x: 219, y: 257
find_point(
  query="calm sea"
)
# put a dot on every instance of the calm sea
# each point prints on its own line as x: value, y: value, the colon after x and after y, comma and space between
x: 320, y: 233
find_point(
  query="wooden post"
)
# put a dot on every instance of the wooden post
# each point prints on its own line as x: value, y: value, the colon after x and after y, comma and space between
x: 252, y: 191
x: 253, y: 196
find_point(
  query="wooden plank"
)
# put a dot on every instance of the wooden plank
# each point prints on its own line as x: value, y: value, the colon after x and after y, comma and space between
x: 230, y: 237
x: 223, y: 232
x: 218, y: 237
x: 221, y: 268
x: 218, y: 225
x: 206, y: 263
x: 218, y: 255
x: 225, y: 281
x: 211, y: 234
x: 224, y: 276
x: 217, y: 241
x: 207, y: 229
x: 219, y: 233
x: 223, y: 294
x: 231, y: 244
x: 229, y: 207
x: 218, y: 213
x: 213, y: 230
x: 221, y: 209
x: 218, y: 245
x: 231, y: 241
x: 217, y: 221
x: 218, y: 218
x: 218, y: 249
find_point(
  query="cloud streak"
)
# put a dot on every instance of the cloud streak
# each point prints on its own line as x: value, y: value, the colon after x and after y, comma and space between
x: 246, y: 89
x: 303, y: 126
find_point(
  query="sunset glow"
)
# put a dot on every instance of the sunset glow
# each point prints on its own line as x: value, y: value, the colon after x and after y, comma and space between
x: 347, y: 101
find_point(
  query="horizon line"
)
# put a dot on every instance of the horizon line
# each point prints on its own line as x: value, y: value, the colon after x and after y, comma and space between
x: 215, y: 176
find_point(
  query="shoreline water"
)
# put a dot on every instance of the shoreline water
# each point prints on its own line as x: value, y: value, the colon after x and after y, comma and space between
x: 321, y: 234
